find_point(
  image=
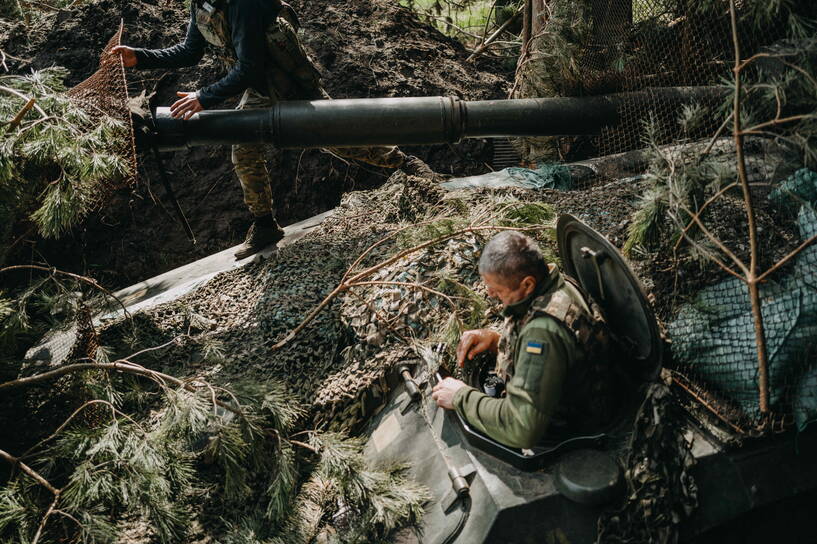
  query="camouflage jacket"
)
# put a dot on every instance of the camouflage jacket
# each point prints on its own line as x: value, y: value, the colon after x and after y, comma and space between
x: 248, y: 35
x: 551, y: 357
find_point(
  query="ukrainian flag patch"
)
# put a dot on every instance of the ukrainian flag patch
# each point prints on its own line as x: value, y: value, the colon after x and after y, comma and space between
x: 534, y: 347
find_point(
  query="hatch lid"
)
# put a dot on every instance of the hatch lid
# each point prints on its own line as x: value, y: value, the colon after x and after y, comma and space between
x: 604, y: 274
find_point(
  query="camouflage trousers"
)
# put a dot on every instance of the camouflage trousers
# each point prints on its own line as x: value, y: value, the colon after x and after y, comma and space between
x: 290, y: 75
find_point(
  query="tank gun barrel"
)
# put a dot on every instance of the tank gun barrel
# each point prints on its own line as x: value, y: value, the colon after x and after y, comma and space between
x: 400, y: 121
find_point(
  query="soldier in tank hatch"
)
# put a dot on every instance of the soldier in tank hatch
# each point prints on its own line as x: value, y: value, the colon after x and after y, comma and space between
x: 258, y: 39
x: 551, y: 354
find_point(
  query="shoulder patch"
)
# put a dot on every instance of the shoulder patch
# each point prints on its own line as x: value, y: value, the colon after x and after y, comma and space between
x: 534, y: 347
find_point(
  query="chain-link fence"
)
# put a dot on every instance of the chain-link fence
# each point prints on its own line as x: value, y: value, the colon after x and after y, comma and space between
x: 593, y: 47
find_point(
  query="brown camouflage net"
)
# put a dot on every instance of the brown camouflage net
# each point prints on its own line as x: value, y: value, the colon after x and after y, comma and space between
x: 105, y: 93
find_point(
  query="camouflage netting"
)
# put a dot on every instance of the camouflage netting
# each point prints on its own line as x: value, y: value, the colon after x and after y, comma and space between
x: 714, y: 341
x: 660, y: 488
x: 339, y: 363
x: 105, y: 94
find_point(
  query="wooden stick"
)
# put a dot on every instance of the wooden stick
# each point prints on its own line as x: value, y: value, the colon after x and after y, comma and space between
x: 24, y: 98
x: 19, y: 117
x: 484, y: 45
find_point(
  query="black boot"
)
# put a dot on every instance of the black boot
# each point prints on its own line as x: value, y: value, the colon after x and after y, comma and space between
x: 415, y: 166
x: 263, y: 232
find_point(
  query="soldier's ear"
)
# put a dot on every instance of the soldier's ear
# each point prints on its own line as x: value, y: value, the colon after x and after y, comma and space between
x: 529, y: 284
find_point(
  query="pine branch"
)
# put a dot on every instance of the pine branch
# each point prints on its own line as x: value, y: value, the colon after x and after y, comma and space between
x: 65, y: 423
x: 86, y: 280
x: 22, y: 113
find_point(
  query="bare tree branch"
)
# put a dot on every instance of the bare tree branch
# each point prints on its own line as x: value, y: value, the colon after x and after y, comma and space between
x: 30, y: 471
x: 484, y: 45
x: 47, y: 515
x: 787, y: 258
x: 751, y: 274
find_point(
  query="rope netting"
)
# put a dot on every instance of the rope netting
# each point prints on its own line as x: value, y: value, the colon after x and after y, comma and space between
x: 104, y: 98
x: 105, y: 94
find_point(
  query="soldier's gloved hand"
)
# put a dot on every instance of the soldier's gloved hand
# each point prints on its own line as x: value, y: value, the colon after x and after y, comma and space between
x: 444, y: 392
x: 128, y: 55
x: 476, y: 341
x: 186, y: 106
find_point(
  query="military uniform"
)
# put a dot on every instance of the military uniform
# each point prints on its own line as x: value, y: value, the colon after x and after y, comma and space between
x: 258, y: 39
x: 551, y: 356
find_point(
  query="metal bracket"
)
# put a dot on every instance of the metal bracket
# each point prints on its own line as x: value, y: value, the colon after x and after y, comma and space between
x: 405, y: 402
x: 598, y: 258
x: 461, y: 480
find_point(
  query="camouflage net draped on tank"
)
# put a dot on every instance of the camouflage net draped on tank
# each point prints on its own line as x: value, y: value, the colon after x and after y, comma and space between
x: 660, y: 489
x: 339, y: 364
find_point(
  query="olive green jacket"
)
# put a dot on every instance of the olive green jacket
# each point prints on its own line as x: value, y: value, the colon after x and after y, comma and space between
x: 542, y: 352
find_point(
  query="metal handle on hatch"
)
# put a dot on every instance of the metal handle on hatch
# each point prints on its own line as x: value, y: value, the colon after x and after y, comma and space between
x: 598, y: 257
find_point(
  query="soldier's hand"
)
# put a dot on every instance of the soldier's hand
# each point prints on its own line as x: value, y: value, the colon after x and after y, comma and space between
x: 128, y: 55
x: 444, y: 392
x: 476, y: 341
x: 186, y: 106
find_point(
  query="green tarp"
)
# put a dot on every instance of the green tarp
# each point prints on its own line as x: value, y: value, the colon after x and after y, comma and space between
x: 713, y: 337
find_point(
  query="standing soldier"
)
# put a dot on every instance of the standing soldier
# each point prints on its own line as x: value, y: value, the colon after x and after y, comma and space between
x: 258, y: 39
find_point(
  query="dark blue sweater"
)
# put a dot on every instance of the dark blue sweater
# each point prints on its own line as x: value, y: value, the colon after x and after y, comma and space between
x: 248, y: 20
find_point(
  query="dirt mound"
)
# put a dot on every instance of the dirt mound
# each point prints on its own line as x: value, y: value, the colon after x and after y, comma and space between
x: 364, y: 48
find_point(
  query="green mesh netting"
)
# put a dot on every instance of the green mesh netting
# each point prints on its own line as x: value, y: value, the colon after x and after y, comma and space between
x: 714, y: 339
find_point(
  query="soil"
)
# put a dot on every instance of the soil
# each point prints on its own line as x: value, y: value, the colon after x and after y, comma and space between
x: 364, y: 48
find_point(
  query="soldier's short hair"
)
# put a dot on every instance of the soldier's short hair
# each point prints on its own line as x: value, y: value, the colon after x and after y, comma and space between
x: 512, y: 256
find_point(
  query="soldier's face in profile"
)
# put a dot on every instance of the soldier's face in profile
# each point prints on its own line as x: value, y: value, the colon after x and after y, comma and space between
x: 508, y: 291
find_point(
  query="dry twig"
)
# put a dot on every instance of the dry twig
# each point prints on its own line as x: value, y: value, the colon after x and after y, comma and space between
x: 484, y: 45
x: 361, y: 276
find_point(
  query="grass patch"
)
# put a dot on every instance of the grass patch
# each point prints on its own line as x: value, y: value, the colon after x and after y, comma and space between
x: 471, y: 17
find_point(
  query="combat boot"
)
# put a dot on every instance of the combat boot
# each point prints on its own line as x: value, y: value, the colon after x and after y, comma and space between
x: 415, y: 166
x: 263, y: 232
